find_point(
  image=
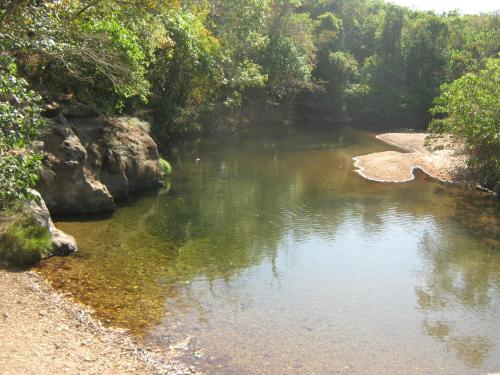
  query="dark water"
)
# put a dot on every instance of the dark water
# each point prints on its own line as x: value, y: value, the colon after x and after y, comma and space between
x: 270, y: 255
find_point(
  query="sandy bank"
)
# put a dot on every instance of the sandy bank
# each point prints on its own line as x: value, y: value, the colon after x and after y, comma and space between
x: 43, y: 332
x: 442, y: 161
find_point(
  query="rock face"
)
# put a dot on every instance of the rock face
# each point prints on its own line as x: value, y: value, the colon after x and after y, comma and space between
x: 63, y: 244
x: 90, y: 162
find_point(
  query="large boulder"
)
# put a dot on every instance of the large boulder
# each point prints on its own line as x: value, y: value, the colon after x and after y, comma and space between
x: 62, y: 243
x: 90, y: 162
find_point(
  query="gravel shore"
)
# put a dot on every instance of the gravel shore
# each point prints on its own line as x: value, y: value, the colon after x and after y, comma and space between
x: 44, y: 332
x: 442, y: 161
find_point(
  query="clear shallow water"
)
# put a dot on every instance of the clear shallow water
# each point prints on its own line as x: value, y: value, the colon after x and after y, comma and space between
x: 270, y: 255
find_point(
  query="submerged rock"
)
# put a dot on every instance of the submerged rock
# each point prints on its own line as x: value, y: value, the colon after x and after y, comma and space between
x: 90, y: 162
x: 62, y: 243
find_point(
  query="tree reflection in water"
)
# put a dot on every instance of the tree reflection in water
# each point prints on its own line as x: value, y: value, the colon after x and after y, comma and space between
x: 281, y: 234
x: 463, y: 278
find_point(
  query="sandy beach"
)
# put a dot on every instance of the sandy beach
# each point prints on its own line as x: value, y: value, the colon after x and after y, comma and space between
x: 442, y: 160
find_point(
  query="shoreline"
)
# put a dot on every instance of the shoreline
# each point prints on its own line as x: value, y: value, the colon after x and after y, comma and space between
x: 45, y: 332
x: 416, y: 168
x: 444, y: 163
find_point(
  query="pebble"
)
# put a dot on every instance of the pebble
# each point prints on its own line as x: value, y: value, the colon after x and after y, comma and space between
x: 87, y: 342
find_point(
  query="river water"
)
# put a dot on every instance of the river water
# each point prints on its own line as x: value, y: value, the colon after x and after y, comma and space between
x: 269, y: 255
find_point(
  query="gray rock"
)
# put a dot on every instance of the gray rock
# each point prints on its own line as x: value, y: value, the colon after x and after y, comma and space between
x: 89, y: 163
x: 63, y: 244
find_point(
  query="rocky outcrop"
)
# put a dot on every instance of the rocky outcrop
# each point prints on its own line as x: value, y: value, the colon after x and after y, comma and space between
x: 91, y: 162
x: 62, y: 243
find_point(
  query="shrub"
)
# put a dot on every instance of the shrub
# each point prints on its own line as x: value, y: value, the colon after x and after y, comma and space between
x: 20, y: 121
x: 23, y: 242
x: 469, y: 110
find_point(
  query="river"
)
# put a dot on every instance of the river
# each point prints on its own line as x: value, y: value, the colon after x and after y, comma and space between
x: 269, y: 255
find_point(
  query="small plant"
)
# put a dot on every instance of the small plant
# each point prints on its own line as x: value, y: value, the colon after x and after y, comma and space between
x: 165, y: 167
x: 23, y: 242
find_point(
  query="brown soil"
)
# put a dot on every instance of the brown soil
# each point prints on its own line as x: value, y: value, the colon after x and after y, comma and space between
x: 43, y: 332
x: 443, y: 160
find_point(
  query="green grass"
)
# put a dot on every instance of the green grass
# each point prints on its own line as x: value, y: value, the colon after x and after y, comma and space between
x: 22, y: 242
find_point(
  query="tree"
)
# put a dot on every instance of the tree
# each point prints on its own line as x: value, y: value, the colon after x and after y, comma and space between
x: 469, y: 110
x: 471, y: 41
x: 185, y: 78
x: 426, y: 56
x: 289, y: 57
x: 94, y: 54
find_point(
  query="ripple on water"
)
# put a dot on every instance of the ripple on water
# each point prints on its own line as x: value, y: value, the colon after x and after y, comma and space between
x: 272, y: 256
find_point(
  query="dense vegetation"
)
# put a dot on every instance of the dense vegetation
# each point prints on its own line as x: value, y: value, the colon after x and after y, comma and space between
x: 205, y: 64
x: 20, y: 120
x: 469, y: 109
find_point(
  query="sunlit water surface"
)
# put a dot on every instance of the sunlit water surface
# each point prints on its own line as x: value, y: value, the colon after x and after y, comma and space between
x: 271, y: 256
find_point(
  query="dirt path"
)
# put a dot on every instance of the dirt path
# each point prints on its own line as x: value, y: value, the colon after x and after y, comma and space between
x: 443, y: 162
x: 43, y: 332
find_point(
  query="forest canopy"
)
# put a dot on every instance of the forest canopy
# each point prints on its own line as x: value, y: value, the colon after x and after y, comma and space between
x: 364, y: 60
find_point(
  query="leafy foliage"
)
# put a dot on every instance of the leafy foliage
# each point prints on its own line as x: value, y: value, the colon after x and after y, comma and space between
x: 469, y: 109
x: 20, y: 121
x: 289, y: 56
x: 184, y: 78
x: 399, y: 58
x: 92, y: 49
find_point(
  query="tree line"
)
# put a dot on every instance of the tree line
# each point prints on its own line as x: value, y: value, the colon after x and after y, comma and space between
x: 197, y: 64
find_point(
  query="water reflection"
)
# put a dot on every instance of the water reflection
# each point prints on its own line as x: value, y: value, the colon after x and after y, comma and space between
x: 464, y: 278
x: 277, y: 244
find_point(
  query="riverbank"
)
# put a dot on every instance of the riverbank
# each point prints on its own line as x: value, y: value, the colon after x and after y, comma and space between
x: 44, y: 332
x: 442, y: 160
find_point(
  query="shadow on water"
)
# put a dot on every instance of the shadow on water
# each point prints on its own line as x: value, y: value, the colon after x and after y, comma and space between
x: 276, y: 243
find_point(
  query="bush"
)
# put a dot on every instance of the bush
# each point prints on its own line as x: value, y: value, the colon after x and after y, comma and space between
x: 20, y: 121
x: 23, y: 242
x: 469, y: 110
